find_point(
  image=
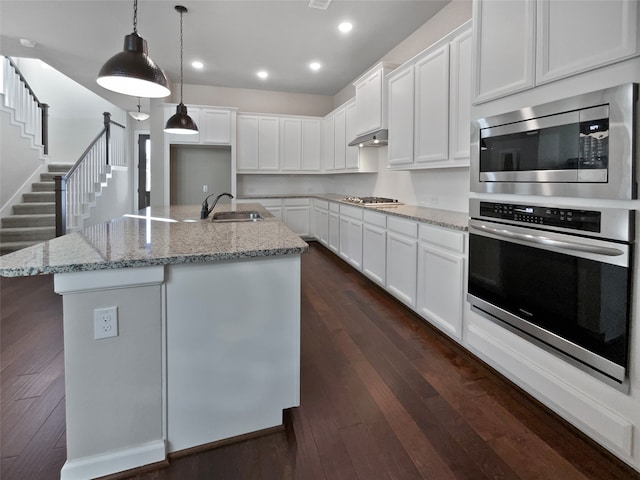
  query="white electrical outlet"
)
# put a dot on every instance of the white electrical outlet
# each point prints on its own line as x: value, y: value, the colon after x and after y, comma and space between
x: 105, y: 322
x: 205, y: 188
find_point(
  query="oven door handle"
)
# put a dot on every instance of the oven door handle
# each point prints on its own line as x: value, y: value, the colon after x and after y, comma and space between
x: 539, y: 240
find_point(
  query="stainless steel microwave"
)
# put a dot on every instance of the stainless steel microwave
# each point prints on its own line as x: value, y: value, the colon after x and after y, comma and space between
x: 583, y: 146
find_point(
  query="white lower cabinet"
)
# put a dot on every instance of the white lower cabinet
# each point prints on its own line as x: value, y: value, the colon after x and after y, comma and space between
x: 441, y: 278
x: 321, y: 220
x: 334, y: 227
x: 402, y: 256
x: 295, y: 215
x: 351, y: 235
x: 374, y: 246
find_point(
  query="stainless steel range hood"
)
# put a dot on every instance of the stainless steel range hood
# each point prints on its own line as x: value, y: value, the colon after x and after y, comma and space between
x: 379, y: 138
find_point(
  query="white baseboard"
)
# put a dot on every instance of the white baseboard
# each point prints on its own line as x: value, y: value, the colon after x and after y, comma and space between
x: 115, y: 461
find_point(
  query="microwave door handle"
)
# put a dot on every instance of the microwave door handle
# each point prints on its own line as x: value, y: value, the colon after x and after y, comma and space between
x: 537, y: 240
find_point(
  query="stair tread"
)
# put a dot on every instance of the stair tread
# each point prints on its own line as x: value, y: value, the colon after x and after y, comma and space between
x: 26, y: 229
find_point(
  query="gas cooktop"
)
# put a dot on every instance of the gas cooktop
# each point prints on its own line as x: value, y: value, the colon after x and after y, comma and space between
x: 373, y: 201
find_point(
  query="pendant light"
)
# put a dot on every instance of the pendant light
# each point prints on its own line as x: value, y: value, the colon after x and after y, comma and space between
x: 131, y: 71
x: 139, y: 116
x: 181, y: 122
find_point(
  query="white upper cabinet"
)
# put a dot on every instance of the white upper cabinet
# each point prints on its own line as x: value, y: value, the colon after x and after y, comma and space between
x: 431, y: 142
x: 518, y: 45
x: 215, y: 126
x: 371, y: 101
x: 291, y: 140
x: 573, y: 37
x: 429, y: 106
x: 300, y: 144
x: 340, y: 139
x: 311, y: 128
x: 460, y: 97
x: 401, y: 104
x: 504, y: 39
x: 258, y: 143
x: 352, y: 153
x: 328, y: 142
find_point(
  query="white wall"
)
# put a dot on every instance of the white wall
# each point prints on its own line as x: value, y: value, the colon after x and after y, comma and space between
x: 114, y: 201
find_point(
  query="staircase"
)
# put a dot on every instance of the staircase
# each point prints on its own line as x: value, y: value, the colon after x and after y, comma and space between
x: 34, y: 220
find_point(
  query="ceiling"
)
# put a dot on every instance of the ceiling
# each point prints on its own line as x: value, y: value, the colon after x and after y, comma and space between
x: 233, y: 38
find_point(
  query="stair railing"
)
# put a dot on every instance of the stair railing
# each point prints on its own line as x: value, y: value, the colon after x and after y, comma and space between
x: 28, y: 110
x: 75, y: 189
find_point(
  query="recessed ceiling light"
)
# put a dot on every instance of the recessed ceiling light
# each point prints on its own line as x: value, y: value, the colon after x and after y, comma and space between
x: 263, y: 74
x: 197, y: 64
x: 315, y: 66
x: 27, y: 42
x: 345, y: 27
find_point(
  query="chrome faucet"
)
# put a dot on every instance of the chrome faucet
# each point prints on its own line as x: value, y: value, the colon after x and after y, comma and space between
x: 204, y: 213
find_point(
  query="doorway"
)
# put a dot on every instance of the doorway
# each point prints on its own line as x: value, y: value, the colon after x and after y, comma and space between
x: 144, y: 170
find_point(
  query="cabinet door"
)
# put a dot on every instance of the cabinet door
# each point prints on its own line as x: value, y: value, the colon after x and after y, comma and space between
x: 440, y: 288
x: 431, y: 124
x: 291, y: 143
x: 322, y: 226
x: 581, y: 35
x: 355, y: 243
x: 374, y: 253
x: 340, y: 139
x: 369, y: 103
x: 460, y: 98
x: 504, y: 39
x: 334, y: 232
x: 215, y: 126
x: 353, y: 153
x: 310, y: 144
x: 343, y: 244
x: 328, y: 142
x: 402, y: 253
x: 401, y: 105
x: 269, y: 140
x: 296, y: 217
x: 248, y: 145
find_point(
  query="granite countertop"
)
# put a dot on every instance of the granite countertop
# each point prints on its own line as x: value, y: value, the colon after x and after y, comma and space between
x: 433, y: 216
x: 157, y: 236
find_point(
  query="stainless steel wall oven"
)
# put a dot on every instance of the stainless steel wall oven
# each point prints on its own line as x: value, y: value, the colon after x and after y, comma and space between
x: 583, y: 146
x: 558, y: 276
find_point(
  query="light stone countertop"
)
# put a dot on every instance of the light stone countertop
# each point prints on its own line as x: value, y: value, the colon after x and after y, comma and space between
x: 433, y: 216
x: 158, y: 236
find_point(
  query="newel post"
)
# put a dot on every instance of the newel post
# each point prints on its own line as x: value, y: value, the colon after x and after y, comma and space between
x: 61, y: 205
x: 45, y: 127
x: 107, y: 130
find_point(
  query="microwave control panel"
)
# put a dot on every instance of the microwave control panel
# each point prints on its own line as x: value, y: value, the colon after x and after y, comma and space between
x: 585, y: 220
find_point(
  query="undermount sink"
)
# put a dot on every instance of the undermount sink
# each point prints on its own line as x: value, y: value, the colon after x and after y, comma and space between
x: 236, y: 217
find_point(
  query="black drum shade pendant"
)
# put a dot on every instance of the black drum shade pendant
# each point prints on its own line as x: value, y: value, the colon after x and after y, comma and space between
x: 180, y: 122
x: 132, y: 72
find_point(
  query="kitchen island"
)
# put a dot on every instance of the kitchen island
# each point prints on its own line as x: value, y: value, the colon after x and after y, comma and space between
x: 207, y: 346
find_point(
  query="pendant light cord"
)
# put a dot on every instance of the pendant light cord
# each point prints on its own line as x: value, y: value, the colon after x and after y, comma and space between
x: 181, y: 49
x: 135, y: 16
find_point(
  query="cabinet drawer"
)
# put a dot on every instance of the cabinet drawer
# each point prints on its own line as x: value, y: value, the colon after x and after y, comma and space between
x: 404, y: 227
x: 375, y: 218
x: 442, y: 237
x: 334, y: 207
x: 353, y: 212
x: 322, y: 204
x: 295, y: 202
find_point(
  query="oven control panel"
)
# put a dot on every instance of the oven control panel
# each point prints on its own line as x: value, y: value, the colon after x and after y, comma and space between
x: 585, y: 220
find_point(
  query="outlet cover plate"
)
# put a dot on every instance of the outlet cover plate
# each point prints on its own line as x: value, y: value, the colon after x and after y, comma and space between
x: 105, y: 322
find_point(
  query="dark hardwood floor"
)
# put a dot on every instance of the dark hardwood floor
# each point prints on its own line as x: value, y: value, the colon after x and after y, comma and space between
x: 384, y: 396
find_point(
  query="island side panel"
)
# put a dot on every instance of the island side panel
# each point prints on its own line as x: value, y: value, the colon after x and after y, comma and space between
x: 113, y: 385
x: 233, y: 347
